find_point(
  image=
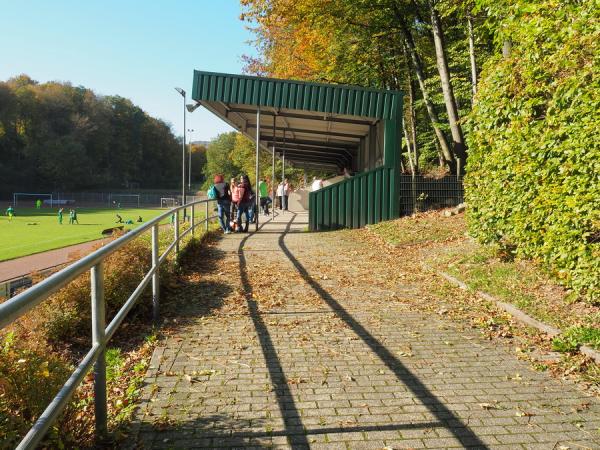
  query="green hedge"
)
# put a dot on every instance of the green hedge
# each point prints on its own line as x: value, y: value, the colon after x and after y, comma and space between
x: 533, y: 183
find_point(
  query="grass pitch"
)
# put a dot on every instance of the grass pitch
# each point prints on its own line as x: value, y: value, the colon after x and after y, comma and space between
x: 37, y: 230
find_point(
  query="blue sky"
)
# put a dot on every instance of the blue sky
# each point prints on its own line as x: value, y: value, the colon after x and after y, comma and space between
x: 133, y: 48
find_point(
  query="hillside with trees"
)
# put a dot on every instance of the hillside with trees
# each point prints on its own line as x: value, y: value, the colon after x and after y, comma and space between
x: 507, y: 91
x: 55, y: 136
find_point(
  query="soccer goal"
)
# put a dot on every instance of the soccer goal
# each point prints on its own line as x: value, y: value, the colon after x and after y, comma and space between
x: 124, y: 200
x: 168, y: 202
x: 31, y: 198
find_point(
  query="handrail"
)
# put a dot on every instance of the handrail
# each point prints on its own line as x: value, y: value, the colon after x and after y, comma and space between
x: 17, y: 306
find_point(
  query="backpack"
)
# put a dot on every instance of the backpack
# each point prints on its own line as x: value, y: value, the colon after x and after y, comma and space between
x: 212, y: 193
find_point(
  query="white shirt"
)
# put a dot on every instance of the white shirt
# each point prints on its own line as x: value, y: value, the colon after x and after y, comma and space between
x: 316, y: 185
x: 280, y: 190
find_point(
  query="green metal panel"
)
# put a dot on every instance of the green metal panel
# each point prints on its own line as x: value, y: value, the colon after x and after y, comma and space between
x: 299, y: 95
x: 371, y: 198
x: 334, y: 206
x: 348, y: 195
x: 378, y: 191
x: 342, y: 206
x: 363, y: 200
x: 354, y: 202
x: 327, y: 210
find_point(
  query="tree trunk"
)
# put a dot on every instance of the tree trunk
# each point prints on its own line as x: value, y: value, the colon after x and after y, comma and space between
x: 460, y: 148
x: 413, y: 121
x: 410, y: 47
x: 472, y: 56
x: 410, y: 159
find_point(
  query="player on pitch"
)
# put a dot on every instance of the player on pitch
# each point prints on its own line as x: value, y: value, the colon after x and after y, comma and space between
x: 10, y: 212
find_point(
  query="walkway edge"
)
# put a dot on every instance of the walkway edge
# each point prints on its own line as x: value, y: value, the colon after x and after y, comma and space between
x: 516, y: 313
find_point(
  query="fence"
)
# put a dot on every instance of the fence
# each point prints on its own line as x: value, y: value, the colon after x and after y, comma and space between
x: 17, y: 306
x: 419, y: 194
x: 355, y: 202
x: 105, y: 198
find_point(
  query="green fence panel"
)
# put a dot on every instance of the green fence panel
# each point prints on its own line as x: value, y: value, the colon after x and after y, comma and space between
x: 349, y: 186
x: 371, y: 197
x: 334, y: 206
x: 327, y: 209
x: 378, y: 190
x: 355, y: 202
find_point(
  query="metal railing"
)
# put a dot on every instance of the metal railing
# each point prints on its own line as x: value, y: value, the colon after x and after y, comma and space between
x: 17, y: 306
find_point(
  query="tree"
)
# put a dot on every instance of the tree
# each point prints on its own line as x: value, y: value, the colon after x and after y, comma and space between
x: 54, y: 136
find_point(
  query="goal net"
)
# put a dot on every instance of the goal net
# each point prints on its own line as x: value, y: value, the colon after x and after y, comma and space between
x: 30, y: 200
x: 168, y: 202
x: 124, y: 200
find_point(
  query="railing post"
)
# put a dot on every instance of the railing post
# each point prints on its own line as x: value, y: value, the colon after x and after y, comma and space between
x: 98, y: 338
x: 192, y: 218
x: 177, y: 232
x: 156, y: 276
x: 206, y: 218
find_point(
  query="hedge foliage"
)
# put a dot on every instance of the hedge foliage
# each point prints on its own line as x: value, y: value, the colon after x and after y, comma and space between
x: 533, y: 183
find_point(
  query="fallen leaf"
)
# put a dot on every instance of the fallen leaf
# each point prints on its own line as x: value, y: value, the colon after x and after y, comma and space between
x: 488, y: 406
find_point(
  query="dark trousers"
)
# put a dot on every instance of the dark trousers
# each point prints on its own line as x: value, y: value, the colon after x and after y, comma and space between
x: 264, y: 204
x: 243, y: 208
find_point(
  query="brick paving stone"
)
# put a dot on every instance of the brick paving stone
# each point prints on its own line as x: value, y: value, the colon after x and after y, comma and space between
x: 299, y: 361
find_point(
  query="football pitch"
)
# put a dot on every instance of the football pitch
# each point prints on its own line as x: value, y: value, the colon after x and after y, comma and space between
x: 37, y: 230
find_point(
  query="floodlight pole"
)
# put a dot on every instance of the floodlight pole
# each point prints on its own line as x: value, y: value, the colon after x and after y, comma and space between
x: 256, y: 199
x: 182, y: 92
x: 190, y: 162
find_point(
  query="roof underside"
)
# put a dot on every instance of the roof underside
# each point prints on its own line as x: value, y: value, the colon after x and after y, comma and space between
x: 317, y: 125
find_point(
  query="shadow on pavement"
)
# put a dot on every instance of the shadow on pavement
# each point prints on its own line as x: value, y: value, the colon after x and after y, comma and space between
x: 446, y: 418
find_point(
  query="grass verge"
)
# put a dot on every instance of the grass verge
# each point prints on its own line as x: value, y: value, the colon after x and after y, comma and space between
x: 440, y: 242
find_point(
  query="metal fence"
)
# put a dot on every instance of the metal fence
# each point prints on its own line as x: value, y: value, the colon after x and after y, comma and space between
x: 418, y: 194
x: 354, y: 202
x: 17, y: 306
x: 152, y: 199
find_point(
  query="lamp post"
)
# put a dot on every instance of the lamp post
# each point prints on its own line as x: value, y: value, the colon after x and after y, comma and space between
x: 190, y: 161
x: 182, y: 92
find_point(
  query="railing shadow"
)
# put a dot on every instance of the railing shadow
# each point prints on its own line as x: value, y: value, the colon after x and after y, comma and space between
x: 435, y: 406
x: 285, y: 400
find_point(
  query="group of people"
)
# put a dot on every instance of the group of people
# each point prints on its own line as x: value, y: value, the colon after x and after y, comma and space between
x: 236, y: 200
x: 72, y: 216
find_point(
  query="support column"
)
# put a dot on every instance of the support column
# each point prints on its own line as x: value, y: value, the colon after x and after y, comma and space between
x: 283, y: 205
x: 273, y: 171
x: 256, y: 197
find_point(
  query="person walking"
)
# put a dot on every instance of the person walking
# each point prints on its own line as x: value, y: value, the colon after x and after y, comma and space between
x: 286, y: 193
x: 245, y: 195
x: 75, y: 217
x: 317, y: 184
x: 223, y: 202
x: 60, y: 216
x: 280, y: 195
x: 10, y: 212
x: 235, y: 198
x: 263, y: 192
x: 70, y: 217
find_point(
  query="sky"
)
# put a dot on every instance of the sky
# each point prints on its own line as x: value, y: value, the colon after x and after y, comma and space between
x: 137, y: 49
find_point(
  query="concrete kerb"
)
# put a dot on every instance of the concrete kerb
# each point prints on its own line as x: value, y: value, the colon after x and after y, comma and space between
x: 516, y: 313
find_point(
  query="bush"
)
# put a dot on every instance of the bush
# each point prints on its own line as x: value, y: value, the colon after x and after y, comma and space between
x: 38, y: 351
x: 533, y: 183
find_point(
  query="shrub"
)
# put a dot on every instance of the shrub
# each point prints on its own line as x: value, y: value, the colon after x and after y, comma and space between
x: 533, y: 182
x: 37, y: 351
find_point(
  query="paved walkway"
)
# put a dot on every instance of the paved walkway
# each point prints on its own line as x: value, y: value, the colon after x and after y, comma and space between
x: 278, y: 354
x: 14, y: 268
